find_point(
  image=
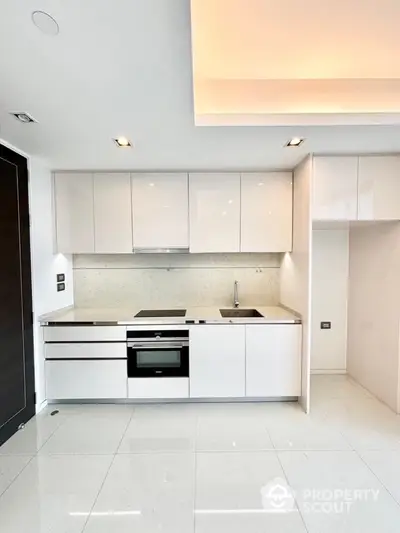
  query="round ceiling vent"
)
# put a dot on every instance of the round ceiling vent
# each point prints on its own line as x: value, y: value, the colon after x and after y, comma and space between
x: 45, y: 23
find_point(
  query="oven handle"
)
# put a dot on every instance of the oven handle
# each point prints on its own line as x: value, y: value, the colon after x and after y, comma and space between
x: 160, y: 345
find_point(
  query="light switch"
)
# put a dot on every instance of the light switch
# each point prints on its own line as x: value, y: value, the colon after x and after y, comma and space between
x: 326, y: 325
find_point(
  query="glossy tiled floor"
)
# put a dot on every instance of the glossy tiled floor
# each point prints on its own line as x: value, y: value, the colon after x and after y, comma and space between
x: 207, y: 468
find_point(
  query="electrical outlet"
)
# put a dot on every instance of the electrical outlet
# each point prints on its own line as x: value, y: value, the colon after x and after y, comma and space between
x: 60, y: 278
x: 60, y: 287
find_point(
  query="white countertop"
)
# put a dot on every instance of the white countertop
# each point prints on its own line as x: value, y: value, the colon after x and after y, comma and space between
x: 273, y: 314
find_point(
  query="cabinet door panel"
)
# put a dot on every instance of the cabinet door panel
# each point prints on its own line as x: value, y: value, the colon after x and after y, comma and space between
x: 266, y: 212
x: 273, y: 360
x: 80, y: 380
x: 74, y: 213
x: 217, y: 361
x: 214, y: 210
x: 160, y: 210
x: 335, y: 188
x: 112, y: 213
x: 379, y: 188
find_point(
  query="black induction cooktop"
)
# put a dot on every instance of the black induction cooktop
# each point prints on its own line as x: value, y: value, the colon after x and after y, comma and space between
x: 160, y: 313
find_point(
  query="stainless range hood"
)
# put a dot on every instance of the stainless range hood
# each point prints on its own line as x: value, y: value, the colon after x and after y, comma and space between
x: 160, y: 250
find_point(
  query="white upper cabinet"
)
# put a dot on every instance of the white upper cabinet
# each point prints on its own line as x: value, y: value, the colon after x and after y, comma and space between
x: 73, y: 195
x: 335, y: 188
x: 214, y: 212
x: 379, y: 188
x: 266, y: 212
x: 112, y: 213
x: 160, y: 210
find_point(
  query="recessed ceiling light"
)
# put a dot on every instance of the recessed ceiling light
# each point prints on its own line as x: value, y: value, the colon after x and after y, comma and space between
x: 45, y: 23
x: 24, y: 117
x: 296, y: 141
x: 122, y: 142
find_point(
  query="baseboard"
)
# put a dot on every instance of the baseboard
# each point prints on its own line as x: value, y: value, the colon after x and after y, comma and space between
x: 328, y: 372
x: 177, y: 400
x: 41, y: 406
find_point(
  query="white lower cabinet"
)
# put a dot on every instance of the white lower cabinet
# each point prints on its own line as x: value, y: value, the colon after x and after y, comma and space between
x: 273, y: 360
x: 85, y: 350
x: 73, y: 334
x: 86, y: 379
x: 217, y: 361
x: 148, y: 388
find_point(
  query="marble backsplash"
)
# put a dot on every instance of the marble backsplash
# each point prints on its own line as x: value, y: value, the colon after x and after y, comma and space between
x: 162, y: 280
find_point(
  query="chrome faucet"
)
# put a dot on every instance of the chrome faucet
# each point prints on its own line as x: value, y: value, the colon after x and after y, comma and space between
x: 236, y: 294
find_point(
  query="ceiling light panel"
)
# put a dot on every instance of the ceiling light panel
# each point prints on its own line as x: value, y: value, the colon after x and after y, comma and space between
x: 26, y: 118
x: 296, y: 141
x: 122, y: 142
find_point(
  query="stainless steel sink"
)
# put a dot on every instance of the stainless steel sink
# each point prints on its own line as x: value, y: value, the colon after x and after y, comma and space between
x: 240, y: 313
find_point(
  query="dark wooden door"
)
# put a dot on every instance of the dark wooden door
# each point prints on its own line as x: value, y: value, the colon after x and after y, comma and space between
x: 17, y: 387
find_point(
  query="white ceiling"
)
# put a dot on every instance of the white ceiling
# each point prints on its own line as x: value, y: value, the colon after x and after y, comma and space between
x: 296, y: 39
x: 314, y: 62
x: 123, y: 67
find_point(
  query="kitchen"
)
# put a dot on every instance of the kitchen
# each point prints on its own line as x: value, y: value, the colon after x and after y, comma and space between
x: 189, y: 234
x: 205, y: 307
x: 200, y: 234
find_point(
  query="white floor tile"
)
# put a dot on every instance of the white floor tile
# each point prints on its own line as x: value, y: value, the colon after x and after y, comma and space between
x: 275, y: 412
x: 337, y: 492
x: 306, y: 435
x: 374, y: 435
x: 97, y: 410
x: 386, y: 466
x: 336, y: 386
x: 160, y: 429
x: 89, y: 433
x: 232, y: 431
x: 204, y: 468
x: 229, y: 494
x: 53, y: 494
x: 10, y: 467
x: 146, y: 494
x: 36, y: 432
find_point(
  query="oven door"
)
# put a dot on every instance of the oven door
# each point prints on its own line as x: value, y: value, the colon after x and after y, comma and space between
x: 158, y: 359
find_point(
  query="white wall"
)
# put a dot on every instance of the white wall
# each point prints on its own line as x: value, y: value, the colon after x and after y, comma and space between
x: 157, y: 280
x: 374, y: 310
x: 330, y: 274
x: 295, y: 286
x: 45, y: 265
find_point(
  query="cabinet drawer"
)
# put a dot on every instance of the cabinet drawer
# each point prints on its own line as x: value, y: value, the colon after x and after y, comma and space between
x: 86, y: 380
x: 92, y: 350
x: 84, y: 333
x: 158, y: 388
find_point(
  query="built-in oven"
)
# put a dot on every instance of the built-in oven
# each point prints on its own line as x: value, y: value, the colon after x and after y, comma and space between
x: 158, y: 353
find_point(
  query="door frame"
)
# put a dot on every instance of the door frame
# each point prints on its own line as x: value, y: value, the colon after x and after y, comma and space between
x: 27, y: 311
